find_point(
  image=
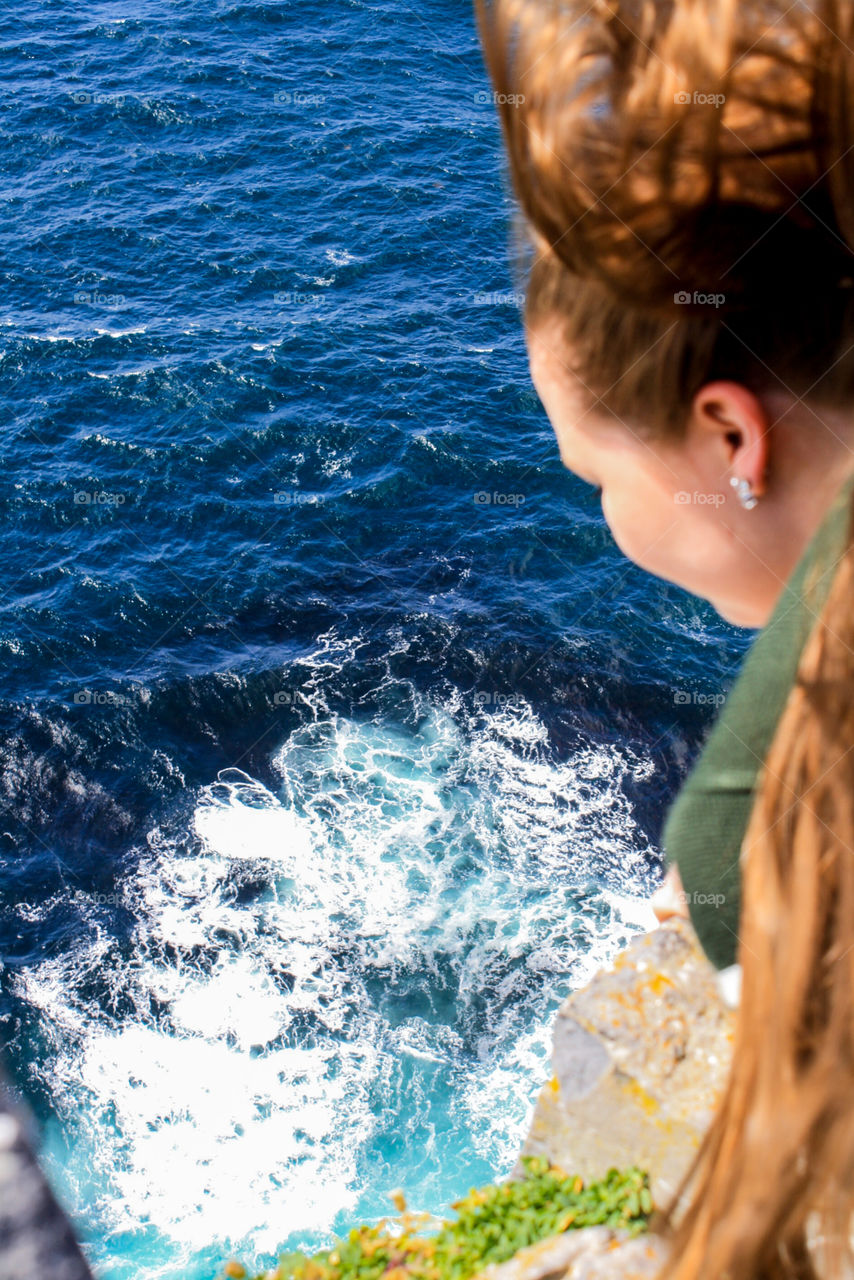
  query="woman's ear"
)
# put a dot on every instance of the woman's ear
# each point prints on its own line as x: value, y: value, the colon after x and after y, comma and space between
x: 734, y: 420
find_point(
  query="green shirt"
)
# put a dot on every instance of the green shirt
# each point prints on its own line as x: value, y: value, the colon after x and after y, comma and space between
x: 706, y: 824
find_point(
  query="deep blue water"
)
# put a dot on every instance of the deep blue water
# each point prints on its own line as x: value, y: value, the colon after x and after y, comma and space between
x: 324, y: 779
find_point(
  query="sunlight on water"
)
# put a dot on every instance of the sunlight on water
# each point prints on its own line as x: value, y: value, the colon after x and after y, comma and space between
x: 396, y: 902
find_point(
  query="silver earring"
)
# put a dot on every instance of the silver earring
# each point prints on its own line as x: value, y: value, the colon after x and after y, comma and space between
x: 744, y: 492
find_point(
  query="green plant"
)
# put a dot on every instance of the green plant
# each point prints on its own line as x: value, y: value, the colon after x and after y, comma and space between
x: 492, y: 1224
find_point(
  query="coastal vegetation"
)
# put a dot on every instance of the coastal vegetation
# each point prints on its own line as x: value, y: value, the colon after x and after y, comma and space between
x: 491, y: 1225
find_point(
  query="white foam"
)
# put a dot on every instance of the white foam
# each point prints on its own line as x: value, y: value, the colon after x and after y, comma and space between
x: 636, y: 912
x: 137, y: 372
x: 234, y: 1101
x: 214, y: 1140
x: 53, y: 337
x: 341, y: 257
x: 266, y: 829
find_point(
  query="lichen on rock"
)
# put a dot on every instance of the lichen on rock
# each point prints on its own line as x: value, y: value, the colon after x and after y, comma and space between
x: 640, y: 1058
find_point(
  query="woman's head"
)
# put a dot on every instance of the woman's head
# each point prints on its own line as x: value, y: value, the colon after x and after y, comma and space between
x: 668, y: 496
x: 686, y: 168
x: 690, y: 320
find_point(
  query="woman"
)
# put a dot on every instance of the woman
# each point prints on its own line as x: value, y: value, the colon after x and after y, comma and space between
x: 686, y: 170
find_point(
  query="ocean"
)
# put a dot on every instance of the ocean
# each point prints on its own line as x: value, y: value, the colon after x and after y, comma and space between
x: 336, y: 732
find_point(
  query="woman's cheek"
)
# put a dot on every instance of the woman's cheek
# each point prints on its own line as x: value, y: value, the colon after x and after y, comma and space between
x: 640, y: 530
x: 680, y: 546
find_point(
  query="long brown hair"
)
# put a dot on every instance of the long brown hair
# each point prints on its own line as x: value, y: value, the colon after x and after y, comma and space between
x: 686, y: 168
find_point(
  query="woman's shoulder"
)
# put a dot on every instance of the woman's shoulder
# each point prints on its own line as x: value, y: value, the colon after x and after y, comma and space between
x: 706, y: 824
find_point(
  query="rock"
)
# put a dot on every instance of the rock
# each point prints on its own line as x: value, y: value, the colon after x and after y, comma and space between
x: 596, y: 1253
x: 640, y: 1059
x: 35, y: 1237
